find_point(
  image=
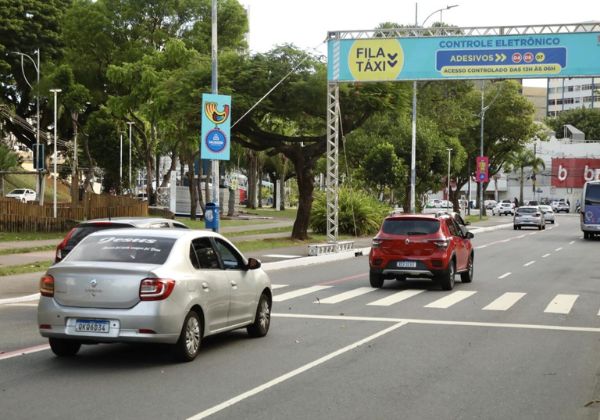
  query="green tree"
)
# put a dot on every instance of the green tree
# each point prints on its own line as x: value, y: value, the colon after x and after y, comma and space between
x: 584, y: 119
x: 382, y: 169
x: 8, y: 158
x: 518, y: 160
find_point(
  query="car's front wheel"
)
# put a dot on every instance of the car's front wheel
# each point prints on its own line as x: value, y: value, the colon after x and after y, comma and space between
x: 188, y: 346
x: 447, y: 278
x: 376, y: 280
x: 64, y: 348
x: 467, y: 276
x: 262, y: 320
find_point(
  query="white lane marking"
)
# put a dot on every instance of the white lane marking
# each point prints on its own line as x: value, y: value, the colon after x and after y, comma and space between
x: 293, y: 373
x: 529, y: 263
x: 395, y: 298
x: 282, y: 256
x: 504, y: 240
x: 561, y: 304
x: 22, y: 352
x: 299, y: 292
x: 32, y: 305
x: 504, y: 302
x: 20, y: 299
x: 451, y: 299
x: 481, y: 246
x: 346, y: 295
x: 505, y: 275
x: 532, y: 233
x: 520, y: 236
x: 278, y: 286
x: 571, y: 243
x: 440, y: 322
x: 545, y: 255
x: 558, y: 249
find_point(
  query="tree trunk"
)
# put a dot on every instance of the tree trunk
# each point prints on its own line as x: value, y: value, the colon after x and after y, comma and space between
x: 231, y: 202
x: 521, y: 182
x: 304, y: 174
x: 198, y: 187
x: 282, y: 193
x: 251, y: 189
x: 74, y: 171
x: 192, y: 189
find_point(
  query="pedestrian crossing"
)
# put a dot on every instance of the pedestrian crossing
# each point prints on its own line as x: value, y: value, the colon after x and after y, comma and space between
x: 559, y: 304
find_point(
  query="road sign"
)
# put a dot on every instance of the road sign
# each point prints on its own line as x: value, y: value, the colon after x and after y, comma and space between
x: 38, y: 156
x: 460, y: 57
x: 482, y: 171
x: 215, y: 139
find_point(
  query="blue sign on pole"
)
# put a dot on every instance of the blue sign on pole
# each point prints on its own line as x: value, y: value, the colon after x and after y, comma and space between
x: 216, y: 123
x: 464, y: 57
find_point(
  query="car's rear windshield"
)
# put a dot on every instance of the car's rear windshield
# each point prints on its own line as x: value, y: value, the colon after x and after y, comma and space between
x: 527, y: 210
x: 410, y: 226
x: 17, y: 191
x: 82, y: 231
x: 132, y: 249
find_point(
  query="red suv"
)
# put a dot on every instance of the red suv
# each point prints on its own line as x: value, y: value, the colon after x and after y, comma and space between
x: 421, y: 245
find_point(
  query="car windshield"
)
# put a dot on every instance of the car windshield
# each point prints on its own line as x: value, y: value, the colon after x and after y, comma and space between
x: 130, y: 249
x: 527, y: 210
x: 17, y: 192
x: 410, y: 226
x: 592, y: 194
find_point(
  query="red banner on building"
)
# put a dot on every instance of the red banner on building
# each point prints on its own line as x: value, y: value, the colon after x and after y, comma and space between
x: 574, y: 172
x: 482, y: 169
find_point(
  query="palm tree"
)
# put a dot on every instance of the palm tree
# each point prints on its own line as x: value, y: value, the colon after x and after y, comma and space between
x: 520, y: 160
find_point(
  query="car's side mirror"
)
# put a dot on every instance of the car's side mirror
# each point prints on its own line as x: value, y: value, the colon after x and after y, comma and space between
x: 469, y: 235
x: 467, y: 223
x: 253, y: 264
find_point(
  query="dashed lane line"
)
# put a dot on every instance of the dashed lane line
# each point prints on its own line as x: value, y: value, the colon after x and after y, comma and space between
x: 529, y: 263
x: 505, y: 275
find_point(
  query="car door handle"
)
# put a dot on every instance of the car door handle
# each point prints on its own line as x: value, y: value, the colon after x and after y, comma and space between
x: 205, y: 285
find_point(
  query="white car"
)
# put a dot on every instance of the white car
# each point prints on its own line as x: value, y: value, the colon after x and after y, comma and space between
x: 503, y: 207
x: 24, y: 195
x: 548, y: 213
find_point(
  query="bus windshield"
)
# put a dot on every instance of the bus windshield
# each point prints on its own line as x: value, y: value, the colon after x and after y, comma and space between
x: 592, y: 194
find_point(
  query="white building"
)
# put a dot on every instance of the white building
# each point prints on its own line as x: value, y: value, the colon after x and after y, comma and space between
x: 572, y: 93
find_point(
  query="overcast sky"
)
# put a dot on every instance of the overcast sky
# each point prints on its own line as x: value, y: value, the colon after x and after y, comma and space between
x: 305, y: 23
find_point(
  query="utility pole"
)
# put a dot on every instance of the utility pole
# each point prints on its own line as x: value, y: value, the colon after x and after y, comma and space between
x: 215, y: 91
x: 130, y: 124
x: 55, y: 91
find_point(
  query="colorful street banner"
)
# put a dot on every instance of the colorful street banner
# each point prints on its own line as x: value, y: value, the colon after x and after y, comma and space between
x: 482, y: 169
x: 215, y: 139
x: 471, y: 57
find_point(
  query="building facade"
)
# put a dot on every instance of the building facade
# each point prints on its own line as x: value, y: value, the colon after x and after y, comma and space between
x: 572, y: 93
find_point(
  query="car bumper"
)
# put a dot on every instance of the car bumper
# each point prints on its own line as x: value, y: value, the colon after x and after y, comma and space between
x: 590, y: 228
x: 160, y: 322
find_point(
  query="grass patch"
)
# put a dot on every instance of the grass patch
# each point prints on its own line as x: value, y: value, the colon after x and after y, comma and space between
x: 12, y: 181
x: 270, y: 212
x: 26, y: 250
x: 259, y: 231
x: 474, y: 218
x: 12, y: 270
x: 30, y: 236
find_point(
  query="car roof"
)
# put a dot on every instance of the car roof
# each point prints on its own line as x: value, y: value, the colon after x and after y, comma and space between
x: 528, y: 207
x: 160, y: 233
x: 134, y: 221
x: 419, y: 215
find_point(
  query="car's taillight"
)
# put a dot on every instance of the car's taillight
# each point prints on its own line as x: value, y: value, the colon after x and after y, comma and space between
x: 58, y: 257
x: 376, y: 243
x: 156, y: 289
x: 441, y: 243
x: 47, y: 286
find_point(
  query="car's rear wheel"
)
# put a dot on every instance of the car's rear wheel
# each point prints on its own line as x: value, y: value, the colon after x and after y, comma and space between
x: 64, y: 348
x: 188, y: 346
x: 467, y: 276
x: 262, y: 321
x: 586, y: 235
x: 514, y: 227
x: 376, y: 280
x: 447, y: 278
x: 540, y: 227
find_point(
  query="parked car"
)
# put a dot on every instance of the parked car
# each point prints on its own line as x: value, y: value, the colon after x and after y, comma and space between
x: 24, y: 195
x: 529, y: 216
x: 562, y: 206
x: 83, y: 229
x: 170, y: 286
x: 490, y: 204
x: 504, y: 207
x: 423, y: 245
x: 548, y: 213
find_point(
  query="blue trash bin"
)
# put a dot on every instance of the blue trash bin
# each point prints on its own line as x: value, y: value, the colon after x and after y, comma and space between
x: 211, y: 216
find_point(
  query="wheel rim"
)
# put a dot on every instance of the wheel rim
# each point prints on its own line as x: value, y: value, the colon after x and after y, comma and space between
x: 471, y: 267
x: 264, y: 315
x: 192, y: 336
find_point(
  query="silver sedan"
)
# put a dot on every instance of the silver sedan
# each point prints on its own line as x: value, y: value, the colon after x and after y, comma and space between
x: 148, y: 285
x: 548, y: 213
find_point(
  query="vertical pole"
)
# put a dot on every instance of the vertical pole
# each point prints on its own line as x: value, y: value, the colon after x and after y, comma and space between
x: 130, y: 123
x: 481, y: 207
x: 37, y: 129
x: 413, y: 144
x: 121, y: 162
x: 448, y: 201
x: 55, y: 91
x: 215, y: 90
x: 333, y: 93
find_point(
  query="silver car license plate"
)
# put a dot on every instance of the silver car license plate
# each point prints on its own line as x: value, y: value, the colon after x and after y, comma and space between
x: 92, y: 325
x: 406, y: 264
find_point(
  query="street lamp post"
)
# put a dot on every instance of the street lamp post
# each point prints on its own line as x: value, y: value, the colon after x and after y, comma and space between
x: 37, y: 147
x: 215, y: 90
x: 121, y: 162
x: 55, y: 91
x: 448, y: 200
x: 413, y: 146
x: 130, y: 123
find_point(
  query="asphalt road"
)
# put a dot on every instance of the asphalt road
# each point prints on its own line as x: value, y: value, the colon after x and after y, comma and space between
x: 520, y: 342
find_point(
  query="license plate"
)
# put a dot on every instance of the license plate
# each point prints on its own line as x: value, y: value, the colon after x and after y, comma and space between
x: 92, y: 325
x: 406, y: 264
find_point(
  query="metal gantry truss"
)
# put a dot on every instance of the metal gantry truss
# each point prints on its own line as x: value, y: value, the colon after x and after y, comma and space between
x: 333, y: 114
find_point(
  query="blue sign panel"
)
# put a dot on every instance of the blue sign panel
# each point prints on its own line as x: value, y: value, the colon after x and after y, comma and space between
x: 477, y: 57
x: 214, y: 139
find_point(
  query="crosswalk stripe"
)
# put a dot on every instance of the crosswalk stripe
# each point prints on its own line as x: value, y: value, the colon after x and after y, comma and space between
x: 278, y: 286
x: 561, y: 304
x: 395, y: 298
x: 504, y: 302
x: 346, y: 295
x: 299, y: 292
x: 450, y: 300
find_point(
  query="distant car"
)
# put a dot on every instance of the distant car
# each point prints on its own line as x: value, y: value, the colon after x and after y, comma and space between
x: 421, y: 245
x: 490, y: 204
x: 548, y: 213
x: 529, y: 216
x: 562, y: 206
x: 532, y: 203
x: 83, y: 229
x: 24, y: 195
x: 504, y: 207
x: 169, y: 286
x: 142, y: 196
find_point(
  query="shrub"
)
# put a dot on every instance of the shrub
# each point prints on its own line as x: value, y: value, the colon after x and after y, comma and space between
x: 359, y: 213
